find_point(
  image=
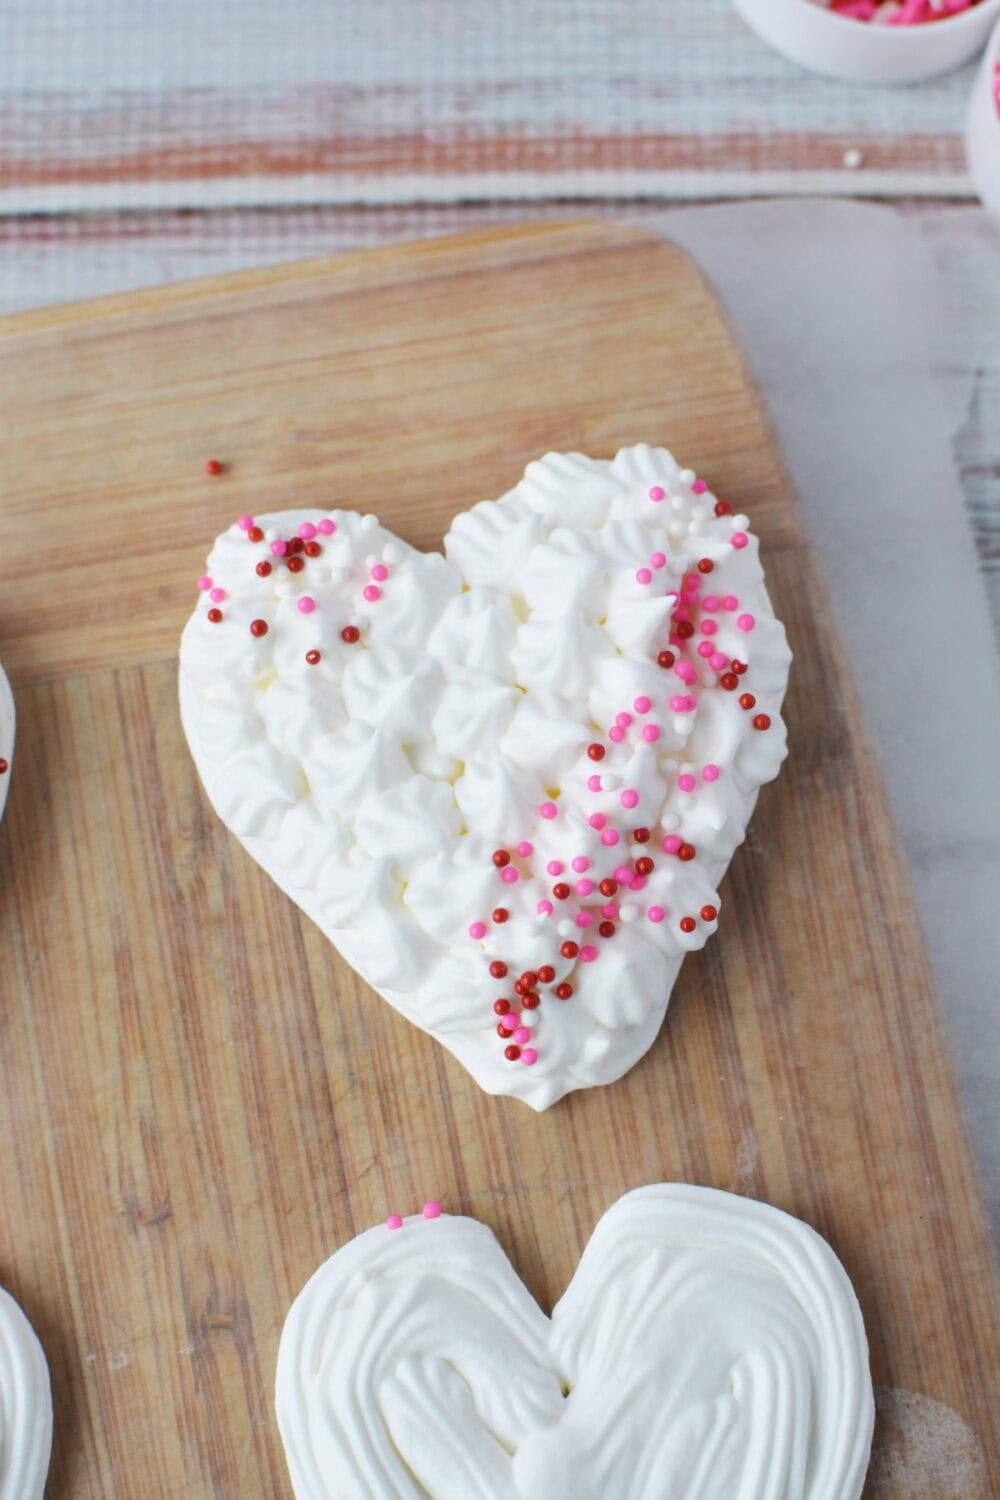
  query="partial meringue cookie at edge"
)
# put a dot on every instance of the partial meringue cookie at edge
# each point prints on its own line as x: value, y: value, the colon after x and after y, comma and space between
x: 505, y: 782
x: 704, y: 1336
x: 25, y: 1406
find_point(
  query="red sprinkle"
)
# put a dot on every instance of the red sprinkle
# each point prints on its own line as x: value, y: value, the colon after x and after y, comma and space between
x: 684, y: 629
x: 512, y: 1053
x: 762, y: 721
x: 666, y: 659
x: 255, y: 534
x: 708, y: 914
x: 706, y: 565
x: 501, y: 1007
x: 263, y: 569
x: 258, y: 627
x: 312, y: 657
x: 607, y: 929
x: 686, y: 852
x: 4, y: 766
x: 501, y: 858
x: 504, y: 1027
x: 728, y: 680
x: 641, y: 835
x: 561, y: 891
x: 501, y: 914
x: 530, y: 1001
x: 546, y: 974
x: 213, y: 466
x: 498, y: 969
x: 644, y: 866
x: 350, y: 634
x: 295, y: 564
x: 530, y: 978
x: 608, y: 887
x: 596, y: 752
x: 569, y: 949
x: 563, y: 991
x: 739, y: 667
x: 747, y: 700
x: 215, y: 615
x: 688, y: 924
x: 723, y: 508
x: 312, y: 549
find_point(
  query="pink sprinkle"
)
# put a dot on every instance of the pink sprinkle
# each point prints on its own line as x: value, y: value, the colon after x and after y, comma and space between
x: 204, y: 584
x: 380, y: 572
x: 609, y: 910
x: 609, y: 838
x: 746, y: 622
x: 371, y: 593
x: 584, y: 887
x: 643, y: 576
x: 708, y: 627
x: 432, y: 1210
x: 245, y: 523
x: 678, y: 704
x: 581, y: 863
x: 623, y: 875
x: 279, y: 548
x: 555, y: 867
x: 509, y: 875
x: 656, y: 913
x: 657, y: 492
x: 522, y: 1035
x: 524, y: 849
x: 718, y: 660
x: 638, y: 883
x: 477, y: 930
x: 650, y: 733
x: 307, y: 531
x: 306, y: 605
x: 730, y: 602
x: 548, y: 810
x: 657, y: 561
x: 583, y: 919
x: 711, y: 603
x: 588, y: 954
x: 699, y: 487
x: 217, y: 595
x: 642, y: 705
x: 629, y: 798
x: 672, y: 843
x: 616, y: 733
x: 686, y: 672
x: 686, y: 783
x: 327, y: 527
x: 623, y: 720
x: 529, y: 1057
x: 593, y: 783
x: 710, y: 773
x: 597, y: 820
x: 739, y: 540
x: 394, y: 1222
x: 705, y: 648
x: 544, y: 908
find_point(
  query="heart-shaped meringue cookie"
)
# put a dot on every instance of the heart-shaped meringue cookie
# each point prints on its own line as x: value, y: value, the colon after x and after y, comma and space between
x: 25, y: 1406
x: 707, y: 1348
x: 506, y: 781
x: 7, y: 724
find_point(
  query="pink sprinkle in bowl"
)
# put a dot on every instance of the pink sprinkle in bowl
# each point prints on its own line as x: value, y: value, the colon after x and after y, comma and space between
x: 982, y: 130
x: 819, y: 39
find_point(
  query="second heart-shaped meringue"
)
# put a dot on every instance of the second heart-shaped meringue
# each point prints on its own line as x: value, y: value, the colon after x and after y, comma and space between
x: 505, y: 782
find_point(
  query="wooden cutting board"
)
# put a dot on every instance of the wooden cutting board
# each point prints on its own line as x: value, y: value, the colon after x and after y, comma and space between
x: 198, y: 1100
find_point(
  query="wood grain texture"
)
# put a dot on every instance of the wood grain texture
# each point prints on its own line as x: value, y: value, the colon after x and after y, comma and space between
x: 211, y: 102
x: 198, y: 1100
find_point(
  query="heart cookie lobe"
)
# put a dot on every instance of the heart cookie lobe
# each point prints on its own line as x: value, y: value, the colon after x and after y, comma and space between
x: 25, y: 1406
x: 705, y: 1340
x: 507, y: 781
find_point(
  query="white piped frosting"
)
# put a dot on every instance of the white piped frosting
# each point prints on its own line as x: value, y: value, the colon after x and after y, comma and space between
x: 7, y: 724
x: 25, y: 1406
x: 706, y: 1342
x: 595, y: 611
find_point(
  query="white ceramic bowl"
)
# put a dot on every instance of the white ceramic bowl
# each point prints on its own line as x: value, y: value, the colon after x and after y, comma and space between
x: 819, y: 39
x: 982, y: 131
x: 6, y: 735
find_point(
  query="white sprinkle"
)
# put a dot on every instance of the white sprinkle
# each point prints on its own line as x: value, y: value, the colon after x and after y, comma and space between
x: 853, y: 159
x: 627, y: 914
x: 270, y: 535
x: 670, y: 821
x: 369, y: 523
x: 392, y: 553
x: 566, y: 928
x: 687, y: 476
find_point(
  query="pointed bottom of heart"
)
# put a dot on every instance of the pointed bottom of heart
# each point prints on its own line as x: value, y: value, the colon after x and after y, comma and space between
x: 708, y: 1347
